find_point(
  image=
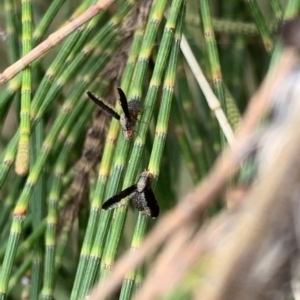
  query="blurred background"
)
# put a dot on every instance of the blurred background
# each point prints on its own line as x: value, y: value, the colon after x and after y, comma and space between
x: 55, y: 241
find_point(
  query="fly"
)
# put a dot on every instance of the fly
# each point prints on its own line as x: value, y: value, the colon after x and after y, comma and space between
x: 128, y: 117
x: 141, y: 195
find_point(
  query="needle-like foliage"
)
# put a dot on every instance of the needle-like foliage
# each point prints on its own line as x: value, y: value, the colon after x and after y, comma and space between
x: 190, y: 67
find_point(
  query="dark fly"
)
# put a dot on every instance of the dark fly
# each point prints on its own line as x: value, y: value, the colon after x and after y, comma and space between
x: 128, y: 117
x: 141, y: 195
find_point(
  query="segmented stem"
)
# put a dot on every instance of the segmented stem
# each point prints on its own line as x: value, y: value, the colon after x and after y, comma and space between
x: 158, y: 143
x: 160, y: 65
x: 260, y: 24
x: 22, y: 160
x: 93, y: 65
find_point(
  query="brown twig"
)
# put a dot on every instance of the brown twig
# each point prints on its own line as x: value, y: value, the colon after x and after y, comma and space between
x: 202, y: 195
x: 254, y: 246
x: 261, y: 244
x: 174, y: 264
x: 53, y: 40
x: 166, y: 265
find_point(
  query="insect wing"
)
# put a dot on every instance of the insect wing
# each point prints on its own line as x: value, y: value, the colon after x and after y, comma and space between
x: 113, y: 201
x: 104, y: 106
x: 124, y: 104
x: 152, y: 203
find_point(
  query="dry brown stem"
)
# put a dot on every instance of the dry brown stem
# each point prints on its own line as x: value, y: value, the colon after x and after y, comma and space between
x: 203, y: 194
x: 53, y: 40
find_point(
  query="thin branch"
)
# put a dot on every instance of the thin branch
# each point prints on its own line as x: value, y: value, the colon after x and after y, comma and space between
x: 53, y: 40
x: 202, y: 195
x: 212, y: 100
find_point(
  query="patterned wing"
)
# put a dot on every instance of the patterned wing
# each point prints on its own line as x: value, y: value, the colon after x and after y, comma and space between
x: 113, y: 201
x: 124, y: 104
x: 103, y: 105
x: 152, y: 203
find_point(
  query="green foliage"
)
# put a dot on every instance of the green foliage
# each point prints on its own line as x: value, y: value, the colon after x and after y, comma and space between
x: 53, y: 231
